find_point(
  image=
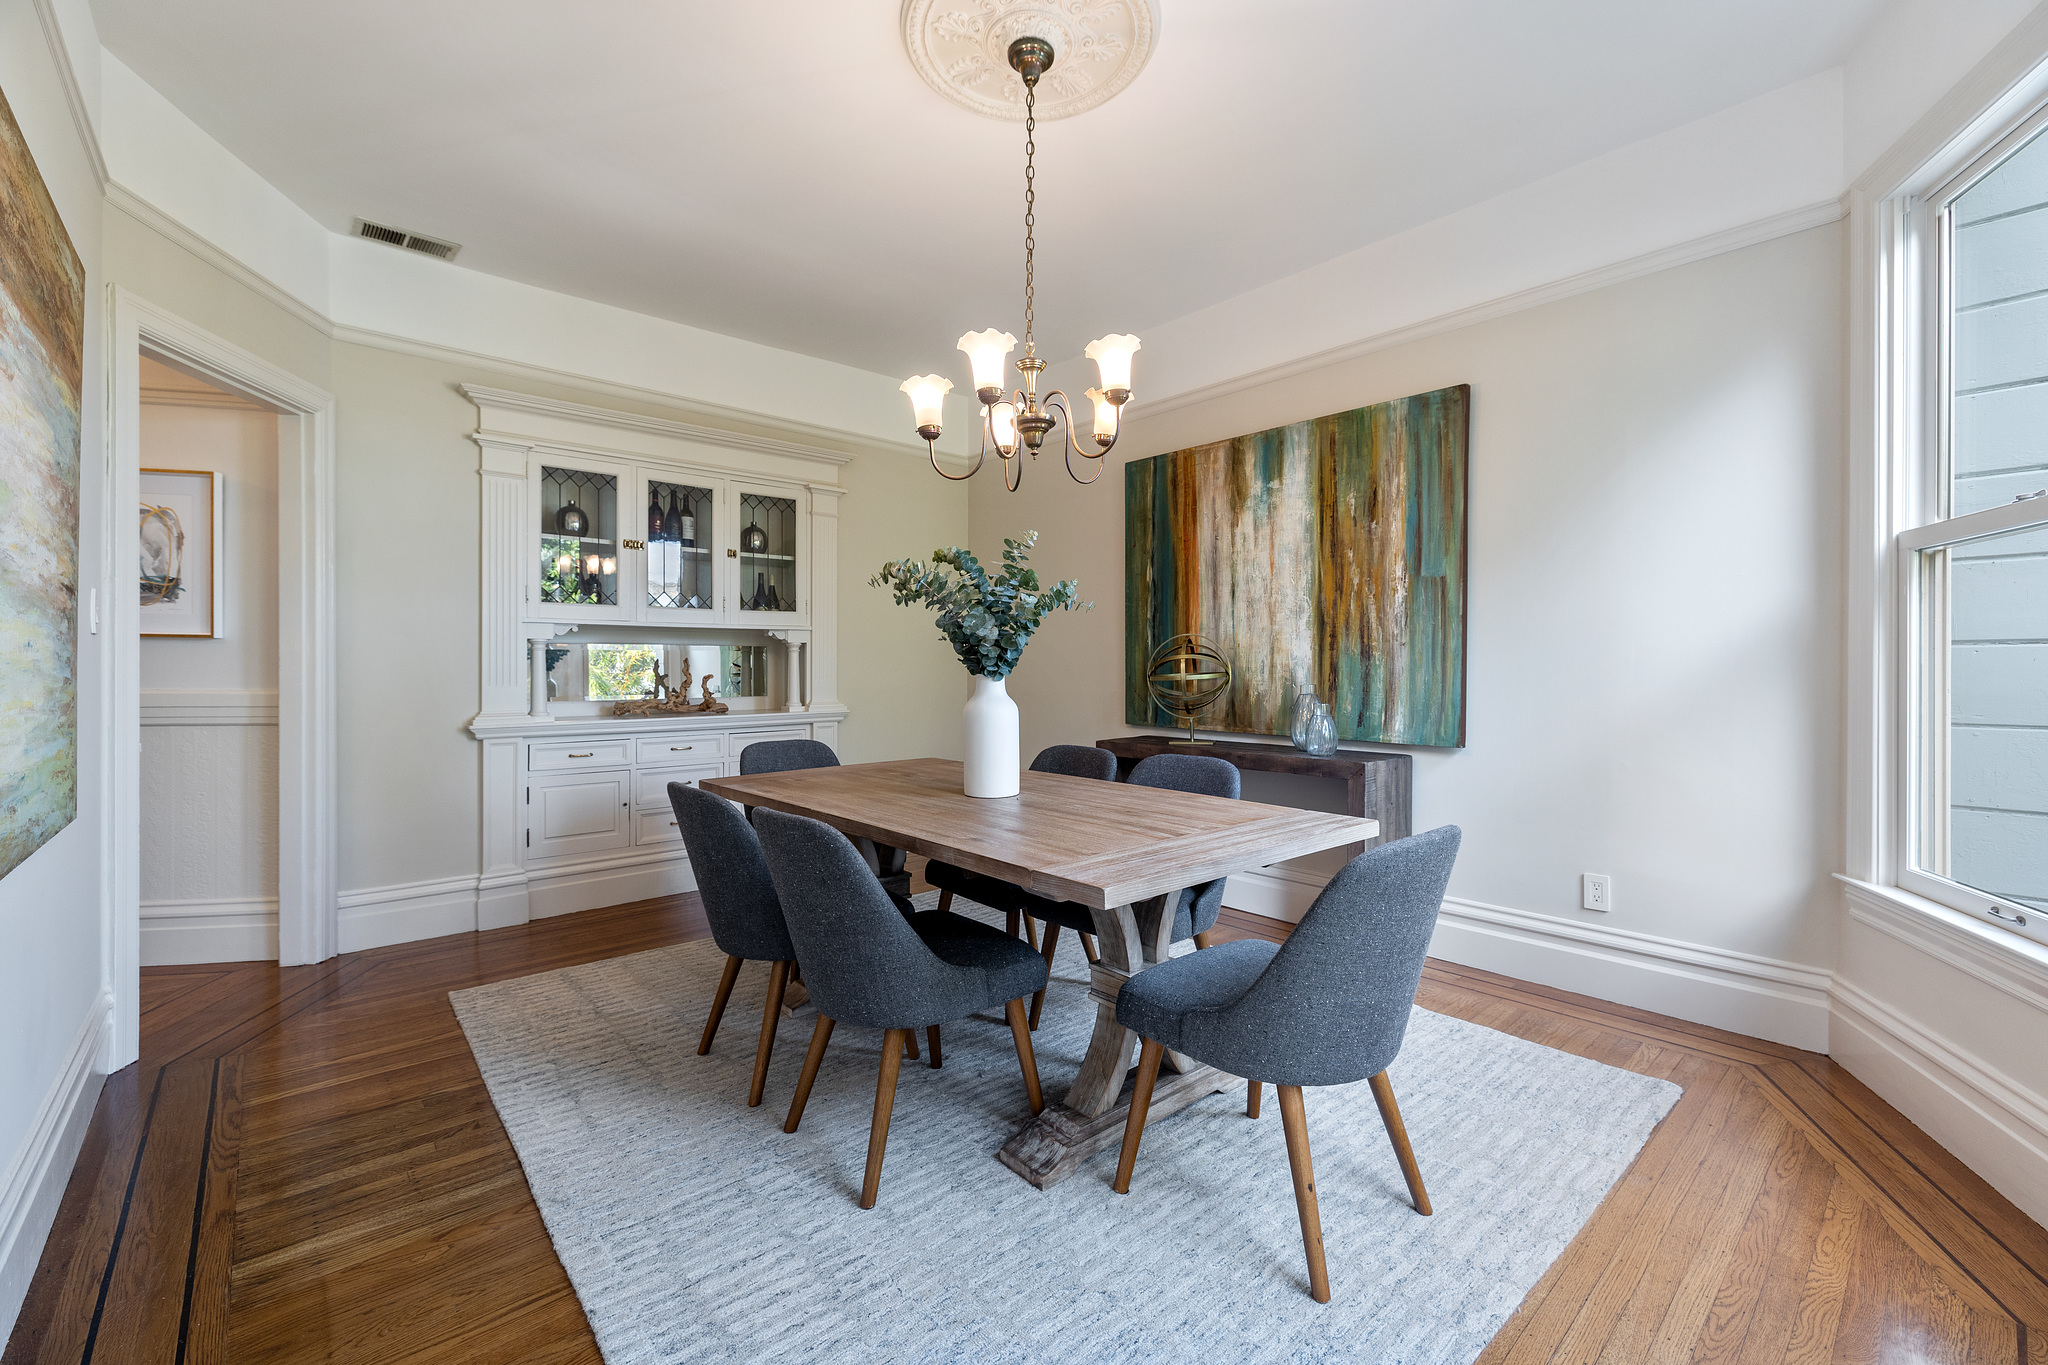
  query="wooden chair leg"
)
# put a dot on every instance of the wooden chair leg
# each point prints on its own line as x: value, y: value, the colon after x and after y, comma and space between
x: 1295, y: 1120
x: 931, y: 1036
x: 1031, y: 932
x: 1052, y: 943
x: 732, y: 972
x: 893, y: 1044
x: 1251, y: 1099
x: 1202, y: 940
x: 1390, y: 1114
x: 1088, y: 947
x: 1012, y: 925
x: 771, y: 1015
x: 945, y: 899
x: 1027, y: 1060
x: 820, y: 1036
x: 910, y: 1043
x: 1141, y: 1101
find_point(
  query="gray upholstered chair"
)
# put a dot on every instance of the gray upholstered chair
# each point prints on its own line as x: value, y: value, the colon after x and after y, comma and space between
x: 1069, y: 760
x: 790, y: 755
x: 739, y: 901
x: 1196, y: 910
x: 865, y: 964
x: 1327, y: 1007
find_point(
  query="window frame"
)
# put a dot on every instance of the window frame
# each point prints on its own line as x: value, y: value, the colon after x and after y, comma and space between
x: 1902, y: 257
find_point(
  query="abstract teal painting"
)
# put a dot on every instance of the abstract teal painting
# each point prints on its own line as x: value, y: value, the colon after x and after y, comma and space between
x: 42, y: 333
x: 1328, y: 553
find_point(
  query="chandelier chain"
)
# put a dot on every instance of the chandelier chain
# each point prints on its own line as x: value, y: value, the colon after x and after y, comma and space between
x: 1030, y: 202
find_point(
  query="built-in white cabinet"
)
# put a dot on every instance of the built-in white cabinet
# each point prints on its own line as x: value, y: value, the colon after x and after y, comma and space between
x: 664, y: 545
x: 597, y: 526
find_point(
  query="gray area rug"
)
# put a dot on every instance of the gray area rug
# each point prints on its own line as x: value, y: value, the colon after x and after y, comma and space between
x: 694, y: 1229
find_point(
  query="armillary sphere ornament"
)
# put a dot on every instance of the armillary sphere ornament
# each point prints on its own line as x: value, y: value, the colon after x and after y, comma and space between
x: 1185, y: 677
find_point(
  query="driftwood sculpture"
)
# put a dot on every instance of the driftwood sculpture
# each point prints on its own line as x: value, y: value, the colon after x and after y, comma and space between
x: 672, y: 700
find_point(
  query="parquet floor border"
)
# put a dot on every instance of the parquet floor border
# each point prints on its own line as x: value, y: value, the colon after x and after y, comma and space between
x: 305, y: 1166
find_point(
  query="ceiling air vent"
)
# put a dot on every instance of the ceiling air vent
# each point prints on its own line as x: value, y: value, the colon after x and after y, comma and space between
x: 411, y: 241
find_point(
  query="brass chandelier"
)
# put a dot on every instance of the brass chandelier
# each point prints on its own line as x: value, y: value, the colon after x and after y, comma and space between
x: 1021, y: 419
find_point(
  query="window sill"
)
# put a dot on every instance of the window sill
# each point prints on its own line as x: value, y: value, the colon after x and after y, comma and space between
x: 1995, y: 956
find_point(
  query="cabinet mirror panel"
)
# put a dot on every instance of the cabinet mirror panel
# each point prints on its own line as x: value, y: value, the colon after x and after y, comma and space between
x: 768, y: 548
x: 680, y: 535
x: 579, y: 537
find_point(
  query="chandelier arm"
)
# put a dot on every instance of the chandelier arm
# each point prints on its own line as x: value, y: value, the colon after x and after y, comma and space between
x: 932, y: 449
x: 1019, y: 463
x: 1058, y: 399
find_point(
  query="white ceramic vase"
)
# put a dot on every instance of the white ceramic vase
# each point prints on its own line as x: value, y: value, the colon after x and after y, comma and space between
x: 992, y: 757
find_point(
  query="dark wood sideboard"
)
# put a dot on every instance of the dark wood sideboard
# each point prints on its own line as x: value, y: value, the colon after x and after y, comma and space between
x: 1377, y: 786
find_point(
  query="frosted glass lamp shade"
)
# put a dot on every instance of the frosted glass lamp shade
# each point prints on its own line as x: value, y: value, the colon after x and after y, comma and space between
x: 1003, y: 426
x: 591, y: 563
x: 927, y: 399
x: 611, y: 565
x: 1112, y: 355
x: 985, y: 352
x: 1105, y: 413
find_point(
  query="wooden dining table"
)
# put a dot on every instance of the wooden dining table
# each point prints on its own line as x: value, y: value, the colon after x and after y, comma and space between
x: 1124, y: 852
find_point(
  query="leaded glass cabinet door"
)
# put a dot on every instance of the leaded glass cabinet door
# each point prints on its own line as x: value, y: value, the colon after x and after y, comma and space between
x: 773, y: 581
x: 580, y: 570
x: 680, y: 517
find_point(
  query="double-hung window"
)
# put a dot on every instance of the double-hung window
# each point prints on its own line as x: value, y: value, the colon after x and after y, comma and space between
x: 1973, y: 559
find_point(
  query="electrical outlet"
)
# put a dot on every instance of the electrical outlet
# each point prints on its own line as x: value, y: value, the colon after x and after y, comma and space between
x: 1598, y: 891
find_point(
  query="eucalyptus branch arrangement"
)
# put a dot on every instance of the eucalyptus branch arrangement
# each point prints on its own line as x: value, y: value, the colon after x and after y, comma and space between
x: 988, y: 621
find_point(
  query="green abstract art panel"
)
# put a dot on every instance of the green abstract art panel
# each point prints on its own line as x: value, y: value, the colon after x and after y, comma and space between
x: 1327, y: 553
x: 42, y: 330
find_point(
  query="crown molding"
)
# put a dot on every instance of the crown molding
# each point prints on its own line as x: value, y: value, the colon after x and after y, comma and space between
x: 1666, y: 258
x: 74, y: 94
x: 505, y: 400
x: 156, y: 220
x: 198, y: 398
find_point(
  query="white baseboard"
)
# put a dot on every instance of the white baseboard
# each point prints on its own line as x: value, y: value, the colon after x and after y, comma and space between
x: 380, y: 916
x: 34, y: 1182
x: 1785, y: 1002
x: 1990, y: 1122
x: 237, y: 929
x: 607, y: 881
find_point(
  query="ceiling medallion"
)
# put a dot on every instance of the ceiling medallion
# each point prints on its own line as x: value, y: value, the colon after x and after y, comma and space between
x: 961, y: 49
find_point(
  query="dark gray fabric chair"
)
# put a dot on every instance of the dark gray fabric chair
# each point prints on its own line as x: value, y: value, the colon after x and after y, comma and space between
x: 866, y: 964
x: 1327, y: 1007
x: 740, y: 902
x: 791, y: 755
x: 1019, y: 905
x: 1195, y: 913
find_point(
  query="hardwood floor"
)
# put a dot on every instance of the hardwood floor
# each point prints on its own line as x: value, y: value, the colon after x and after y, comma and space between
x: 305, y: 1166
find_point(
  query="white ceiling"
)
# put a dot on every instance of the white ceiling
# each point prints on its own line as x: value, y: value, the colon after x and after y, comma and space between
x: 779, y: 173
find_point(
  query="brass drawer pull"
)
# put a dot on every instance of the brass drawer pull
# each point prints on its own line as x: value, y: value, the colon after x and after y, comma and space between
x: 583, y: 755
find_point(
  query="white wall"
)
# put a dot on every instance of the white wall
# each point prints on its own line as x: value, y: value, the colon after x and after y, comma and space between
x: 1654, y: 668
x: 54, y: 1013
x: 209, y: 705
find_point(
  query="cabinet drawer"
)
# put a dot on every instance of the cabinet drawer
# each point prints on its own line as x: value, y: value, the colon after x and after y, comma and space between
x: 587, y: 753
x: 578, y: 815
x: 654, y: 750
x: 745, y: 739
x: 655, y: 827
x: 650, y: 785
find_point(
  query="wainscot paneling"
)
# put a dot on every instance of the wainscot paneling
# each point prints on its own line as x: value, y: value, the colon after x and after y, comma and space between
x: 209, y: 826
